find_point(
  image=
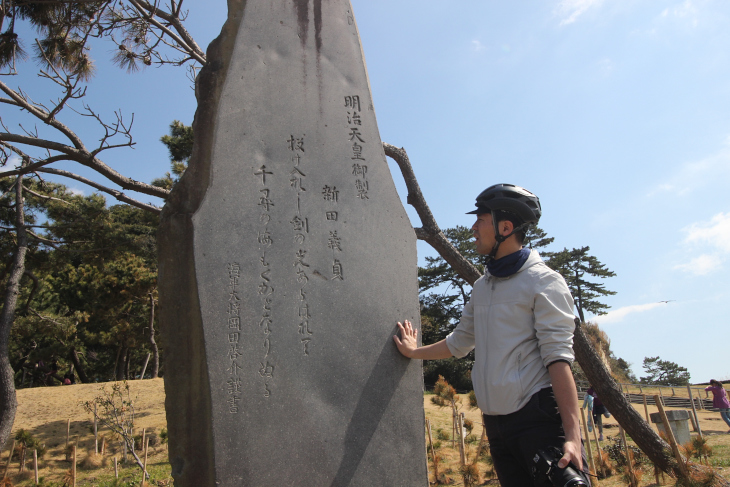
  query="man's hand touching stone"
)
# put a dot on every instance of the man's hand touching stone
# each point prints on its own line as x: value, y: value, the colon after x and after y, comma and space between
x: 408, y: 341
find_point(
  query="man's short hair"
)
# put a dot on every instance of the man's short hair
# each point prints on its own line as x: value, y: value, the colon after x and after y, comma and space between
x: 516, y: 221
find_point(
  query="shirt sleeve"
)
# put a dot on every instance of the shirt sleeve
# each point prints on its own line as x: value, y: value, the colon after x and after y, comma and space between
x: 554, y: 320
x: 461, y: 340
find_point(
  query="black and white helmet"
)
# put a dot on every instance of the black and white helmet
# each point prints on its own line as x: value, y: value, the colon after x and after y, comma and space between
x: 510, y: 198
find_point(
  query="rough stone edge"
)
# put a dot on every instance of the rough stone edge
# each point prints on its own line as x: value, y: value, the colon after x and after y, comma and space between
x: 189, y: 415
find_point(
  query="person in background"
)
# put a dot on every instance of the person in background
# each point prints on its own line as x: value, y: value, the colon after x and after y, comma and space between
x: 588, y: 404
x: 719, y: 400
x: 598, y: 411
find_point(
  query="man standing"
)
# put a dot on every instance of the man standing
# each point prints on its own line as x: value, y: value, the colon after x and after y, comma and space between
x: 520, y: 322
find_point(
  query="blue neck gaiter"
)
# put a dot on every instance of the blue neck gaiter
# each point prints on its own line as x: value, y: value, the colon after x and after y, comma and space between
x: 509, y: 264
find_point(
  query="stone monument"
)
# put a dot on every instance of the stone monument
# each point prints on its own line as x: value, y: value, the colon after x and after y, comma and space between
x: 678, y: 423
x: 286, y: 258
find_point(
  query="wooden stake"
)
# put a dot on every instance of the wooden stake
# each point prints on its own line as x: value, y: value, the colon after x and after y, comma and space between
x: 482, y: 440
x: 68, y: 432
x: 35, y: 464
x: 73, y: 468
x: 96, y: 435
x: 460, y: 424
x: 10, y: 457
x: 21, y: 464
x: 103, y: 445
x: 144, y: 468
x: 116, y: 468
x: 696, y: 421
x: 595, y: 433
x: 628, y: 460
x: 144, y: 368
x: 648, y: 420
x: 672, y: 440
x: 433, y: 451
x: 453, y: 427
x: 692, y: 420
x: 588, y: 441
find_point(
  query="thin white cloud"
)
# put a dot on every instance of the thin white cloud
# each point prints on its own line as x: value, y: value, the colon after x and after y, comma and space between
x: 605, y: 66
x: 701, y: 265
x: 716, y: 232
x: 708, y: 242
x: 685, y: 9
x: 76, y: 191
x: 570, y: 10
x: 685, y: 13
x: 477, y: 45
x: 11, y: 164
x: 617, y: 315
x: 695, y: 175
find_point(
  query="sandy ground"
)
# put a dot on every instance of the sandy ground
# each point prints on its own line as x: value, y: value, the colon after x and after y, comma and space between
x: 45, y: 411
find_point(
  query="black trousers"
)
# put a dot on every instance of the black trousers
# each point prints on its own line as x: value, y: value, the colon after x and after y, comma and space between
x: 515, y: 438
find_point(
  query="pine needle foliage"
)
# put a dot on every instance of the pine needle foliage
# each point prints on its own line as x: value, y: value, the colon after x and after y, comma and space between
x: 604, y: 467
x: 63, y: 28
x: 632, y: 476
x: 576, y: 266
x: 698, y: 448
x: 23, y: 439
x: 469, y: 474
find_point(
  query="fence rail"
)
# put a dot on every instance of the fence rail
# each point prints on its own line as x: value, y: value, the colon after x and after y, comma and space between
x: 672, y: 396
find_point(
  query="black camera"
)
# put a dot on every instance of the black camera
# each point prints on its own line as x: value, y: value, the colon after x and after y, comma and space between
x: 545, y: 470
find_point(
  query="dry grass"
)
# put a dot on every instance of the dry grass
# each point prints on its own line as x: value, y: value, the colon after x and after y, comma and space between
x: 714, y: 429
x: 44, y: 413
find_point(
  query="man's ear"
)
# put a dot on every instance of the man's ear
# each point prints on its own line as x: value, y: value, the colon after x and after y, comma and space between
x: 505, y: 227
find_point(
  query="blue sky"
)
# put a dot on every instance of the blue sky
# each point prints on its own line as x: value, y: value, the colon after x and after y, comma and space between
x: 616, y: 114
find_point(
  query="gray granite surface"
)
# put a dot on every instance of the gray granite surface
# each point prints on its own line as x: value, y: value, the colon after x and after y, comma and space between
x: 286, y: 257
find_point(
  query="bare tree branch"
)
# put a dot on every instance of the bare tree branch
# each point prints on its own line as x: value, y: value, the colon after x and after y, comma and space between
x: 45, y: 197
x: 44, y: 144
x: 117, y: 194
x: 22, y: 101
x: 430, y: 232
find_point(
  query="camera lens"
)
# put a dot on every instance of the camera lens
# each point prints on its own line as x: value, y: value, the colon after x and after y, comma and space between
x: 575, y: 482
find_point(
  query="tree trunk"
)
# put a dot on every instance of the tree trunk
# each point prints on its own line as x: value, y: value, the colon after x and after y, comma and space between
x: 153, y: 344
x: 613, y: 398
x: 8, y: 400
x: 121, y: 363
x: 126, y: 365
x: 77, y: 364
x: 116, y: 362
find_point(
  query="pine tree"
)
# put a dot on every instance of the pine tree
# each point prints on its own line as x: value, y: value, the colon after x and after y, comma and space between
x: 575, y: 266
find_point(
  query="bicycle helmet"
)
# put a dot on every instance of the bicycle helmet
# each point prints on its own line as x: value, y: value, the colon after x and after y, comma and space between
x: 512, y: 199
